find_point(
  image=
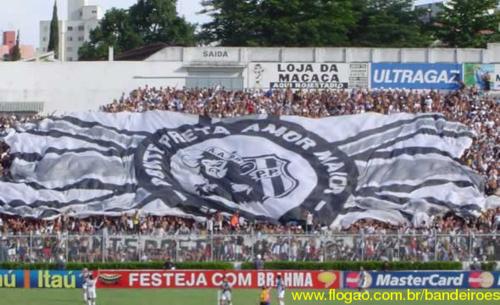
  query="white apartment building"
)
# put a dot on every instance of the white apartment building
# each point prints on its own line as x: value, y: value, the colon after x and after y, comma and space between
x: 434, y: 7
x: 73, y: 32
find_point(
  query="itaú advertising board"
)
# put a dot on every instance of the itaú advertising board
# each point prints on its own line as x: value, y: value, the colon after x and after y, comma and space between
x: 296, y: 279
x: 40, y: 279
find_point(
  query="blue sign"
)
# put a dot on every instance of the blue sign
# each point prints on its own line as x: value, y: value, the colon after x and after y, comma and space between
x: 11, y: 279
x: 55, y: 279
x: 422, y: 279
x: 415, y: 76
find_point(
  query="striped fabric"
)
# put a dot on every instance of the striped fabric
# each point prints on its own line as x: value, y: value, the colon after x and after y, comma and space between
x: 341, y: 169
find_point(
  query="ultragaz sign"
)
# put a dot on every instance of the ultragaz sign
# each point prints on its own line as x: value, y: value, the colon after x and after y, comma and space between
x: 415, y: 76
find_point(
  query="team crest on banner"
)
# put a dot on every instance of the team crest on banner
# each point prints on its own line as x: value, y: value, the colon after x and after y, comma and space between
x: 272, y: 174
x: 265, y: 169
x: 259, y: 178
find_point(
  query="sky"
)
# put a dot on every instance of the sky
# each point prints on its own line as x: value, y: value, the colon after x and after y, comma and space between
x: 24, y: 15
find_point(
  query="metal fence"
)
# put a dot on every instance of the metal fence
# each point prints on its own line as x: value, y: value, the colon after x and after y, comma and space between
x: 320, y: 247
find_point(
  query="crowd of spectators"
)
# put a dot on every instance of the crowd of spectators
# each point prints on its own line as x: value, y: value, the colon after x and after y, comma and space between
x: 143, y: 237
x: 469, y: 106
x: 189, y: 239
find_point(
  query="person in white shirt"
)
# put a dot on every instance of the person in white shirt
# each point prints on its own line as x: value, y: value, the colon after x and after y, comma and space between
x: 225, y: 293
x: 280, y: 287
x: 309, y: 222
x: 91, y: 290
x: 210, y: 225
x: 497, y: 221
x: 85, y: 274
x: 363, y: 279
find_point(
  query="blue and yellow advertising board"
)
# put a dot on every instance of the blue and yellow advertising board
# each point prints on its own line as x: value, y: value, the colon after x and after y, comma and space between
x: 40, y: 279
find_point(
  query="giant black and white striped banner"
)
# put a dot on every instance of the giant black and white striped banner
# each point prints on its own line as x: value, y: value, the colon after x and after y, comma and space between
x: 273, y: 168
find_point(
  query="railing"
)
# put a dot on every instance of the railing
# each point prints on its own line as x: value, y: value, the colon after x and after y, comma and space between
x: 320, y: 247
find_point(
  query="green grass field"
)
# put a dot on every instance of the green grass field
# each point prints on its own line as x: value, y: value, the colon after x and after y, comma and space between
x: 169, y: 297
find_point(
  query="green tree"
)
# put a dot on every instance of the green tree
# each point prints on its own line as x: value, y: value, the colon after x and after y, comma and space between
x: 468, y: 23
x: 16, y: 50
x: 54, y: 32
x: 278, y: 22
x: 388, y: 23
x: 307, y: 23
x: 233, y: 23
x: 157, y: 21
x: 115, y: 30
x: 146, y: 22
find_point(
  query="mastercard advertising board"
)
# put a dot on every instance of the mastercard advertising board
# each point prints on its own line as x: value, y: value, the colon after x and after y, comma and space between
x: 422, y: 279
x: 296, y: 279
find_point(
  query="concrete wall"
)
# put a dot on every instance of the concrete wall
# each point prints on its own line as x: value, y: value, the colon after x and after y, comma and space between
x: 413, y: 55
x: 81, y: 86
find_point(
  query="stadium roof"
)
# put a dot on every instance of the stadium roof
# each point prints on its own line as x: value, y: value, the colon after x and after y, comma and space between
x: 141, y: 53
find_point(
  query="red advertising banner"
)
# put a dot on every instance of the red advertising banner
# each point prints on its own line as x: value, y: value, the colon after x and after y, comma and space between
x: 213, y: 278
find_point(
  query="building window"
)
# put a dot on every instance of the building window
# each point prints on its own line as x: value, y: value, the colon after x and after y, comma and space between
x: 94, y: 12
x: 81, y: 28
x: 70, y: 58
x: 70, y: 38
x: 44, y: 38
x: 80, y: 38
x: 70, y: 28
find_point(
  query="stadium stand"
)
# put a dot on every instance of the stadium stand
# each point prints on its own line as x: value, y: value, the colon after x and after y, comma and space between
x: 468, y: 106
x: 366, y: 239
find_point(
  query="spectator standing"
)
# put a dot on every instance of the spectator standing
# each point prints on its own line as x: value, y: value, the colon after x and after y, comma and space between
x: 475, y: 265
x: 60, y: 262
x: 210, y: 225
x: 235, y: 221
x: 259, y: 263
x: 309, y: 222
